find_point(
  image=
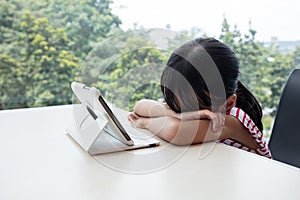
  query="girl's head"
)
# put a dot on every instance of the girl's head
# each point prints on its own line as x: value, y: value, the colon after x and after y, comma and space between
x: 185, y: 89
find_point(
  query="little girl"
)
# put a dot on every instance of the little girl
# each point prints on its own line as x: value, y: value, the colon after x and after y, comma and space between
x: 191, y: 104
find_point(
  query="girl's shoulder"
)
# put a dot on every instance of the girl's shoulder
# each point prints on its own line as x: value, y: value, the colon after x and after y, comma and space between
x: 245, y: 120
x: 240, y: 115
x: 253, y: 130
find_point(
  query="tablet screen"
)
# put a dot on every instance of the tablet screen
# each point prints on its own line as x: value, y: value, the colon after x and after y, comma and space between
x: 113, y: 117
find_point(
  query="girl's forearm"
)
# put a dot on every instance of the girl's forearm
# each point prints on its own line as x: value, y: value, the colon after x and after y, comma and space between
x: 180, y: 132
x: 163, y: 127
x: 152, y: 108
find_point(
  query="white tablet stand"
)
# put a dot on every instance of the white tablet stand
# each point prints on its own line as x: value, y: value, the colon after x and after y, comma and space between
x: 91, y: 127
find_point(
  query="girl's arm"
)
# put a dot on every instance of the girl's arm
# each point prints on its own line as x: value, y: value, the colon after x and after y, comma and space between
x: 176, y: 131
x: 189, y: 127
x: 186, y: 132
x: 174, y: 127
x: 152, y: 108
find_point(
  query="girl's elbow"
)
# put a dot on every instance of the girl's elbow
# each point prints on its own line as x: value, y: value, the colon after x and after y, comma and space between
x: 177, y: 133
x: 170, y: 137
x: 177, y: 142
x: 173, y: 135
x: 169, y: 130
x: 140, y: 107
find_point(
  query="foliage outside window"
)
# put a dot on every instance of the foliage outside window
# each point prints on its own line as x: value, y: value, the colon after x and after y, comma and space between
x: 45, y: 45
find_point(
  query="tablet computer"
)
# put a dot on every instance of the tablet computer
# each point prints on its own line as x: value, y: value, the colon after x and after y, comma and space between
x: 98, y: 127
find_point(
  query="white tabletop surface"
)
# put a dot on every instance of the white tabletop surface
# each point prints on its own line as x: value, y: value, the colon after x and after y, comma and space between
x: 39, y: 161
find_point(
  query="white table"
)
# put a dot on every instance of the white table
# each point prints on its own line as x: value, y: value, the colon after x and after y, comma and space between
x: 39, y: 161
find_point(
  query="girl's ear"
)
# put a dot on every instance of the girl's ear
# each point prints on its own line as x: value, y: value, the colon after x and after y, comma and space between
x: 231, y: 102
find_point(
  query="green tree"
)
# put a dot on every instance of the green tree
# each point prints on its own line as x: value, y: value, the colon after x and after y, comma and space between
x: 296, y: 57
x: 280, y: 66
x: 180, y: 38
x: 39, y: 55
x: 12, y: 92
x: 50, y: 65
x: 86, y: 22
x: 263, y: 70
x: 43, y: 67
x: 135, y: 72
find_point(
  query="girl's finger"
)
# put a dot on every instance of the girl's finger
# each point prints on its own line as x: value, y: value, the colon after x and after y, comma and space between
x: 132, y: 116
x: 221, y: 121
x: 218, y: 121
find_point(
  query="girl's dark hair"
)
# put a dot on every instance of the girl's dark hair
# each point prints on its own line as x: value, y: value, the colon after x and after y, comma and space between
x: 178, y: 95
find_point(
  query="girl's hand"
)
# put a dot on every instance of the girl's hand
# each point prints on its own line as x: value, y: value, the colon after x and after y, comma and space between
x: 140, y: 122
x: 217, y: 119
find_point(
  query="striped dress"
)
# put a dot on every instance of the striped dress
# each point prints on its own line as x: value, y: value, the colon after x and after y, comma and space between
x: 244, y: 118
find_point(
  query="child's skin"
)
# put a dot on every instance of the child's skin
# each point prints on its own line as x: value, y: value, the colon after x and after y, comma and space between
x: 190, y: 127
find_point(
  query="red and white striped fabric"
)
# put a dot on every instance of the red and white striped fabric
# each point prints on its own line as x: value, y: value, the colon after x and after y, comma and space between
x: 244, y: 118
